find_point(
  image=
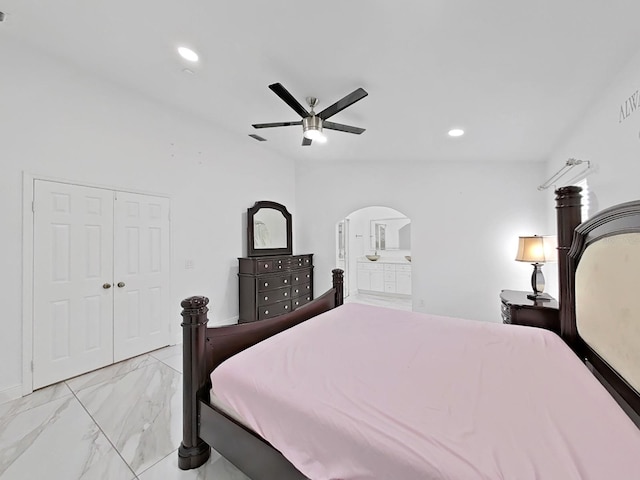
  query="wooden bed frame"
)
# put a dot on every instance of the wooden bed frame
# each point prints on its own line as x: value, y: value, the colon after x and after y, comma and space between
x: 206, y: 426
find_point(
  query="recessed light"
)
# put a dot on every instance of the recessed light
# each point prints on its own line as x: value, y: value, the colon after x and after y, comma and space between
x: 456, y: 132
x: 188, y: 54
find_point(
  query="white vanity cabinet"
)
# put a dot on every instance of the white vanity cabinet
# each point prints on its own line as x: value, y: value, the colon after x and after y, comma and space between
x: 403, y: 279
x: 370, y: 276
x: 390, y: 277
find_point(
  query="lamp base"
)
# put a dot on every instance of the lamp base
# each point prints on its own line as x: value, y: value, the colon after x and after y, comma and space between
x: 539, y: 297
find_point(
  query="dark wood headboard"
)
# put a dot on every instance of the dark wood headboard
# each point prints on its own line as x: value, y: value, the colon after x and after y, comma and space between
x: 620, y: 219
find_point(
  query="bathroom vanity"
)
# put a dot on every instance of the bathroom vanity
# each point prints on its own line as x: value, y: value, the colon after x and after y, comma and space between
x: 390, y: 276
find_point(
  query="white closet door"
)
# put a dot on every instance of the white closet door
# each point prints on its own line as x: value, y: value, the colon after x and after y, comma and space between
x: 142, y: 313
x: 73, y: 262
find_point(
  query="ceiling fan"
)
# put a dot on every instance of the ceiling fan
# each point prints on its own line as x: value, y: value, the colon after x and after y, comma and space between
x: 313, y: 123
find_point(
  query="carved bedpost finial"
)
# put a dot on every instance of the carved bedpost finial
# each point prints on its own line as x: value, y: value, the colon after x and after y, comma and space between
x: 195, y: 302
x: 194, y: 310
x: 338, y: 284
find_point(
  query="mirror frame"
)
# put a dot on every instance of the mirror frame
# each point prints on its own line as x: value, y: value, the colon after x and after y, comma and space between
x: 252, y: 251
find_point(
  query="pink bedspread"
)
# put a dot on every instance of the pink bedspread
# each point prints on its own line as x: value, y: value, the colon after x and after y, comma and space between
x: 364, y: 392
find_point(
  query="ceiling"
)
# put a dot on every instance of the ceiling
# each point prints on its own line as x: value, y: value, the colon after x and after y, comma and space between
x: 515, y: 75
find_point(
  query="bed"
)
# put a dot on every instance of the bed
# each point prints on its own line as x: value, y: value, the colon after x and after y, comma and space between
x: 374, y: 393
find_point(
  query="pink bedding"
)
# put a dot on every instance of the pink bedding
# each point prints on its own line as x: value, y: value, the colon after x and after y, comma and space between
x: 365, y: 392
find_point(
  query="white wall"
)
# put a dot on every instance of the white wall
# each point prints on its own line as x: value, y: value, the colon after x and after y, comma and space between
x: 612, y: 145
x: 57, y: 121
x: 465, y: 220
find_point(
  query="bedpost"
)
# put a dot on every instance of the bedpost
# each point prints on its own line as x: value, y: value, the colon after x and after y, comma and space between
x: 568, y: 203
x: 338, y: 284
x: 193, y: 452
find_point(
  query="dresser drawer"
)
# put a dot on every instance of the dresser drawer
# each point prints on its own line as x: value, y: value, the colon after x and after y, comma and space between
x: 276, y: 281
x: 281, y: 264
x: 298, y: 302
x: 303, y: 276
x: 271, y: 296
x: 264, y: 266
x: 301, y: 261
x: 299, y: 290
x: 273, y: 310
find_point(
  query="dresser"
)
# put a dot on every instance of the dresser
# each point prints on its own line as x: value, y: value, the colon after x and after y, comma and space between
x: 517, y: 309
x: 274, y: 285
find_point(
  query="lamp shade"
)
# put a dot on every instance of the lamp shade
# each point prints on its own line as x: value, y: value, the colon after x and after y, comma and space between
x: 537, y: 249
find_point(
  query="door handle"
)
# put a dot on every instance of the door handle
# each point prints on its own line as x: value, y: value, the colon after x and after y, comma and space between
x: 106, y: 286
x: 120, y: 284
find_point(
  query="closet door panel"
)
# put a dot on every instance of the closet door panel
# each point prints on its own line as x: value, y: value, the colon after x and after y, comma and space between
x: 142, y: 312
x: 72, y: 291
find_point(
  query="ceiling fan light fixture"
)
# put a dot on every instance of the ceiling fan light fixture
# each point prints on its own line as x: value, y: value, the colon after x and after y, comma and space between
x: 312, y: 129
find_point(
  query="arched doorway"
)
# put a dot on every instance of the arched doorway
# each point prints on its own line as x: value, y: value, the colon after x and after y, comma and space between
x: 373, y: 247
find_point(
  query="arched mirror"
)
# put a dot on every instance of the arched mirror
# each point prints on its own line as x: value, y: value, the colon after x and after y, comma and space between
x: 268, y: 229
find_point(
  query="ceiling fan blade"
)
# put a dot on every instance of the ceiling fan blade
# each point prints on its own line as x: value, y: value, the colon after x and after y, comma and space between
x: 277, y: 124
x: 340, y: 105
x: 284, y: 94
x: 306, y: 141
x: 342, y: 128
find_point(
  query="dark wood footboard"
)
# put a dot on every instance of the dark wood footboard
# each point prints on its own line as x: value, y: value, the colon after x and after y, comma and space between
x: 204, y: 426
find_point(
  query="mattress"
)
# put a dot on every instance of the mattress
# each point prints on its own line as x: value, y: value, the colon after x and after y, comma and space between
x: 364, y: 392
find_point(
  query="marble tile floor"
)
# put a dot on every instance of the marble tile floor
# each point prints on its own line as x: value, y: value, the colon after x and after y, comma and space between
x: 121, y: 422
x: 399, y: 303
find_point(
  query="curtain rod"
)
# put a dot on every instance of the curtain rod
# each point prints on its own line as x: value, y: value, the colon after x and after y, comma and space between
x: 566, y: 168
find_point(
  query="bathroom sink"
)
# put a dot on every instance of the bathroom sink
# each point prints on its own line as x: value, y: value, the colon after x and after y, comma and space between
x: 373, y: 258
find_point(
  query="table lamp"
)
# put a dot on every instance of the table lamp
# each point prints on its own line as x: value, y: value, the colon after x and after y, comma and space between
x: 537, y: 250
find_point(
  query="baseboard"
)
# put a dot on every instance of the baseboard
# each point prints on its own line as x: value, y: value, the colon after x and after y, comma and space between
x: 11, y: 393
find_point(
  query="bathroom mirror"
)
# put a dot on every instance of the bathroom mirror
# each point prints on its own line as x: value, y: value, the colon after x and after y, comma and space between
x: 391, y: 234
x: 268, y: 229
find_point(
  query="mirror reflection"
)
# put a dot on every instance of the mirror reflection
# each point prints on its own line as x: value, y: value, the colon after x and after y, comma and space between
x: 390, y: 234
x: 269, y: 229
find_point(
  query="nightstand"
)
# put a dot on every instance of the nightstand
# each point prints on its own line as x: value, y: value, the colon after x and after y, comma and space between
x: 517, y: 309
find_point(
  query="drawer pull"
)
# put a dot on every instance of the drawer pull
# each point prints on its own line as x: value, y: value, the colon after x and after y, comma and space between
x: 266, y: 284
x: 297, y: 303
x: 296, y: 279
x: 285, y: 294
x: 266, y: 312
x: 286, y: 281
x: 296, y: 290
x: 286, y: 306
x: 266, y: 265
x: 307, y: 275
x: 266, y: 298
